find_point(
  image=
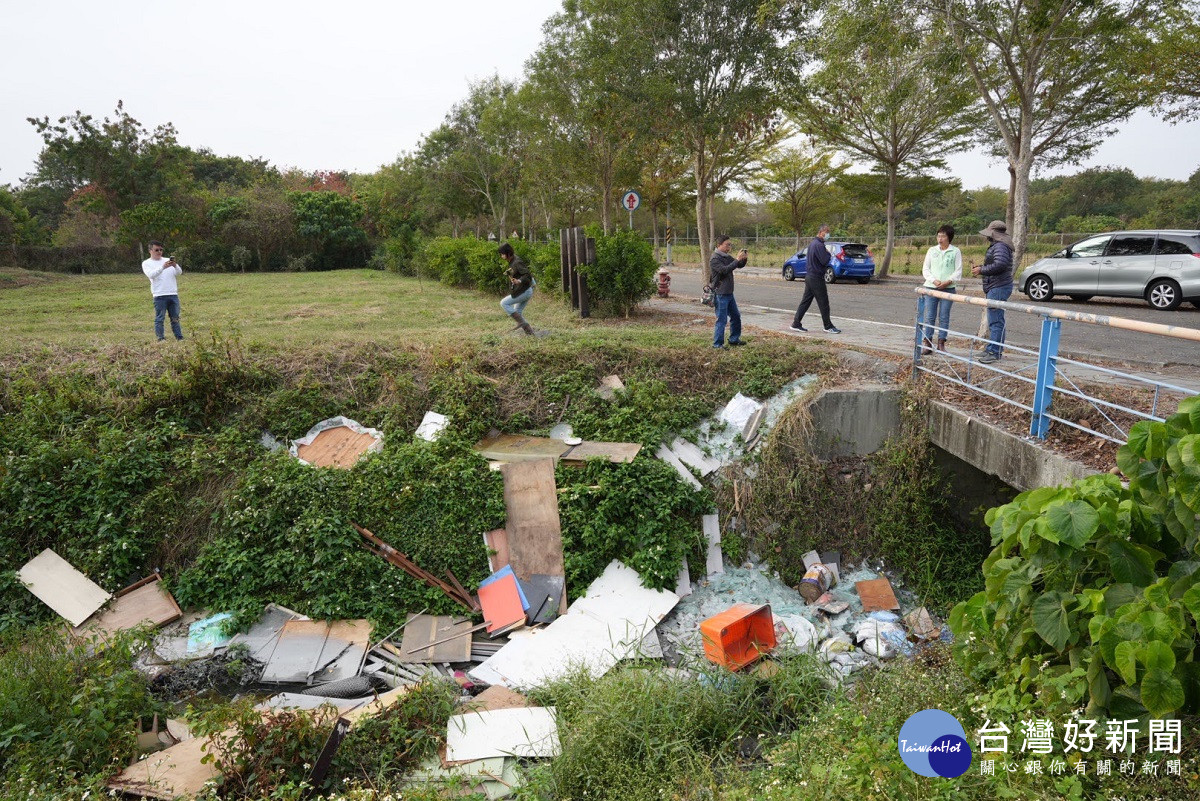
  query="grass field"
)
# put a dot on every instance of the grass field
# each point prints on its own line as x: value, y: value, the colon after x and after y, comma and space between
x: 285, y: 309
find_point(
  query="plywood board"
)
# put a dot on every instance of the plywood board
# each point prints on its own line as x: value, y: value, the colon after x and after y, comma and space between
x: 529, y: 732
x: 336, y: 447
x: 296, y: 652
x: 876, y: 595
x: 497, y: 697
x: 144, y: 602
x: 421, y: 630
x: 533, y: 526
x: 520, y: 448
x: 64, y: 589
x: 172, y: 772
x: 615, y: 452
x: 496, y: 541
x: 345, y: 649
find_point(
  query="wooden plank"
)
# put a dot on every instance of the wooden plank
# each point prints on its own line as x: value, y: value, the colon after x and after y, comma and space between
x: 533, y: 526
x: 876, y: 595
x: 615, y: 452
x: 518, y: 448
x: 171, y: 773
x: 496, y: 541
x: 421, y: 631
x: 144, y: 602
x: 61, y: 587
x: 335, y: 447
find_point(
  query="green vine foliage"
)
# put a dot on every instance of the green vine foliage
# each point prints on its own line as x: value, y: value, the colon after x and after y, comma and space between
x: 1093, y: 590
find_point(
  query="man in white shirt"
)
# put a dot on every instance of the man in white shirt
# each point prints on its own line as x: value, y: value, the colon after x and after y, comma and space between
x: 163, y: 273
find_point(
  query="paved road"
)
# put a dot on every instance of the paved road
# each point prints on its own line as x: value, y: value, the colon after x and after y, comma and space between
x: 891, y: 304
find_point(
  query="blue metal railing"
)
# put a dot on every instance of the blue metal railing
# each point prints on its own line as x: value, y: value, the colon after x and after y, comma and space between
x: 1050, y: 367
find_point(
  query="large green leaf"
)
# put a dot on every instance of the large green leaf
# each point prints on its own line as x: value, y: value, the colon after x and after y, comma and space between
x: 1191, y: 408
x: 1188, y: 487
x: 1191, y: 600
x: 1117, y: 595
x: 1073, y: 522
x: 1131, y: 563
x: 1125, y: 657
x: 1128, y: 461
x: 1156, y: 655
x: 1121, y: 632
x: 1098, y: 686
x: 1051, y: 620
x: 1158, y: 626
x: 1162, y: 693
x: 1182, y: 577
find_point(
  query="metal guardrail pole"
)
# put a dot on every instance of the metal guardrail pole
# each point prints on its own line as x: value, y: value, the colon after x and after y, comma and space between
x: 1047, y: 370
x: 918, y: 331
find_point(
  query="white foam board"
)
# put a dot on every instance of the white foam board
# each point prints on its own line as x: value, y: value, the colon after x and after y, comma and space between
x: 715, y: 564
x: 668, y: 456
x: 484, y: 734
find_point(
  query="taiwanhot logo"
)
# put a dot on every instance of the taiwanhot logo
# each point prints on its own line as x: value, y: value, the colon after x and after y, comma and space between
x: 933, y: 743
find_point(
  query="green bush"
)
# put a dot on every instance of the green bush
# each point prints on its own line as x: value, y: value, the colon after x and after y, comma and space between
x: 398, y: 253
x: 543, y: 260
x: 623, y: 274
x: 1093, y: 590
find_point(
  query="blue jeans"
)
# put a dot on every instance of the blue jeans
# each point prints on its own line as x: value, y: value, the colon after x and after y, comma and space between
x: 995, y: 318
x: 516, y: 305
x: 939, y: 310
x: 727, y: 308
x: 165, y: 305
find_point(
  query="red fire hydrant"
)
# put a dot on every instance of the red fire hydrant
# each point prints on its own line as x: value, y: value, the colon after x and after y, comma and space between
x: 664, y: 282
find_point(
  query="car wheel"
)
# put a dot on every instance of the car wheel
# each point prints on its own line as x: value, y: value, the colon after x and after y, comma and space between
x: 1039, y: 288
x: 864, y: 280
x: 830, y: 276
x: 1080, y: 298
x: 1163, y: 295
x: 788, y: 273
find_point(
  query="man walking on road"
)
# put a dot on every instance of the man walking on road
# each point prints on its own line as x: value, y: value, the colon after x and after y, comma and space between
x: 815, y: 263
x: 722, y: 266
x: 164, y: 287
x: 997, y: 272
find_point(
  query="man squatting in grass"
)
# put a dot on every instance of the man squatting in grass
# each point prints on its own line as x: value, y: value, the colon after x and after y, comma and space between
x: 816, y: 261
x: 163, y: 273
x: 721, y: 266
x: 942, y: 270
x: 997, y: 272
x: 521, y: 281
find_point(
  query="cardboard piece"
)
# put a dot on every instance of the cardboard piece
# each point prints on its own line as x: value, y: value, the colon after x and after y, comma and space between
x: 423, y: 630
x: 877, y: 595
x: 667, y: 455
x: 522, y: 732
x: 431, y: 426
x: 715, y: 563
x: 922, y: 625
x: 61, y: 587
x: 832, y: 607
x: 501, y: 602
x: 497, y: 697
x: 336, y: 442
x: 143, y: 602
x: 609, y: 386
x: 534, y: 532
x: 605, y: 626
x: 206, y: 636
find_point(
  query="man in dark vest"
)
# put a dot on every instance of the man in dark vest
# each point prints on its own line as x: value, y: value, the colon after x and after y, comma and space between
x: 815, y: 263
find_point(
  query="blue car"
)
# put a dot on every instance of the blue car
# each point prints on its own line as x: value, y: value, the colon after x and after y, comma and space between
x: 850, y: 260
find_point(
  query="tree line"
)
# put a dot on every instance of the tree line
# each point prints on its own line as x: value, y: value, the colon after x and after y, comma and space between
x: 695, y: 103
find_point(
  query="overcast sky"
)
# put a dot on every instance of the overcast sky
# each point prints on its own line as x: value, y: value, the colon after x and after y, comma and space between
x: 342, y: 86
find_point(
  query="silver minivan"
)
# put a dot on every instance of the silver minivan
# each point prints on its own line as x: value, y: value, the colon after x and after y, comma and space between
x: 1163, y: 267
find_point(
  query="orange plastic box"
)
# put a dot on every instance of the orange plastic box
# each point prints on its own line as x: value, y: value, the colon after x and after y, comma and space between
x: 739, y: 635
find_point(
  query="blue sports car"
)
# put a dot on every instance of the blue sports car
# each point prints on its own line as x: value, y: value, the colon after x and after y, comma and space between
x: 850, y: 260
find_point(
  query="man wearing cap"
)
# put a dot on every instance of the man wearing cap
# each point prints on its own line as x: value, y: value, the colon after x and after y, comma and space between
x: 997, y: 272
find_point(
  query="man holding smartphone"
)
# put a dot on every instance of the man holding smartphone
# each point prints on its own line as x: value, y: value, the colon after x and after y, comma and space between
x: 163, y: 273
x: 721, y: 266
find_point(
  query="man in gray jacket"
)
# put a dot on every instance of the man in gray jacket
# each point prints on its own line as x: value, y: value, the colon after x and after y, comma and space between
x: 722, y: 266
x: 997, y: 272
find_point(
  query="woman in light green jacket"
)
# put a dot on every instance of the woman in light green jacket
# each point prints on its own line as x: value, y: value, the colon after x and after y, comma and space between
x: 942, y: 271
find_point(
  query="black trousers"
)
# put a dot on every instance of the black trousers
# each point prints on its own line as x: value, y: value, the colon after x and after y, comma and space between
x: 814, y: 288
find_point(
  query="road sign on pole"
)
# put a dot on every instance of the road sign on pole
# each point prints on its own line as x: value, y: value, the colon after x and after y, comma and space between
x: 631, y: 200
